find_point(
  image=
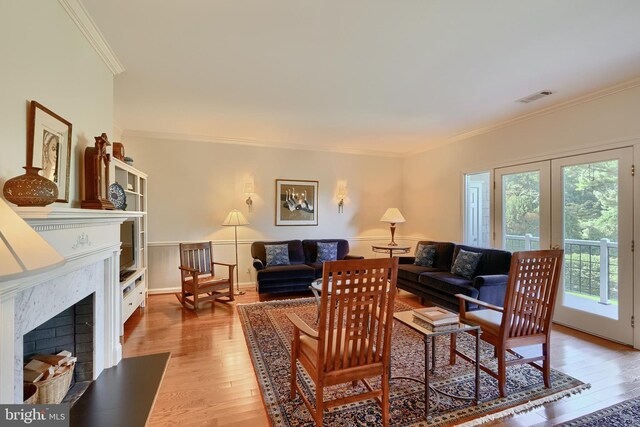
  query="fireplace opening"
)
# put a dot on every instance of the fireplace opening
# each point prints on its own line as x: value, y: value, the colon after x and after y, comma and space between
x: 71, y: 330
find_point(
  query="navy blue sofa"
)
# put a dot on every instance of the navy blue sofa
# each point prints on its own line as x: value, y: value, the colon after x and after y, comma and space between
x: 303, y: 267
x: 439, y: 286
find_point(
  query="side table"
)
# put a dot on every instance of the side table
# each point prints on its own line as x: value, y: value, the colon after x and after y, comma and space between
x: 407, y: 318
x: 391, y: 250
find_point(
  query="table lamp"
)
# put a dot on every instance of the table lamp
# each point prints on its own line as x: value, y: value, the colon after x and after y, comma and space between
x: 22, y: 250
x: 393, y: 216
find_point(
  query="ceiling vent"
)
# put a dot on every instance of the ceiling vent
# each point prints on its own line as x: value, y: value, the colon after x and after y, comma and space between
x: 534, y: 97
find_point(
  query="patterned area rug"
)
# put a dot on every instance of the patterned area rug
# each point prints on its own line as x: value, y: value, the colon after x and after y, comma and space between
x: 269, y: 332
x: 625, y: 413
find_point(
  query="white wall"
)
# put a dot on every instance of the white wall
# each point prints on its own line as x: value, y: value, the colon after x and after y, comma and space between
x: 432, y: 180
x: 193, y: 185
x: 46, y: 58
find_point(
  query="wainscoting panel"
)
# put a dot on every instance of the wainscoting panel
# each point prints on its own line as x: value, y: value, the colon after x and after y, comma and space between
x: 164, y: 258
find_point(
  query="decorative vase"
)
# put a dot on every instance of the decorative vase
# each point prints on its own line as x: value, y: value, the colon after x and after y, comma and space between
x: 30, y: 189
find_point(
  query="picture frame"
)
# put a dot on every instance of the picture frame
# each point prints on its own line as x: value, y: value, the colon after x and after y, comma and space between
x: 296, y: 202
x: 49, y: 146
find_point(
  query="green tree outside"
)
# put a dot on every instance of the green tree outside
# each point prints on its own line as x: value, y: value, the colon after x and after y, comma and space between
x: 590, y: 213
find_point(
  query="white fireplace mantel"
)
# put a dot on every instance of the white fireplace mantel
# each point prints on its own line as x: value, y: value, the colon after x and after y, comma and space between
x: 89, y: 240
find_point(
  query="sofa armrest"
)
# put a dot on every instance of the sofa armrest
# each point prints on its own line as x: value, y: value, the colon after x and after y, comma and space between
x: 353, y: 257
x: 490, y: 280
x: 257, y: 264
x: 406, y: 259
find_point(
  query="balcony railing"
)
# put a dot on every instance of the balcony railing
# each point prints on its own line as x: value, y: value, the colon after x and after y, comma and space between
x: 590, y: 266
x: 527, y: 242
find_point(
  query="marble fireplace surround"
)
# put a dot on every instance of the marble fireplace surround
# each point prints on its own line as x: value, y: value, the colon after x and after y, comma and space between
x: 90, y: 242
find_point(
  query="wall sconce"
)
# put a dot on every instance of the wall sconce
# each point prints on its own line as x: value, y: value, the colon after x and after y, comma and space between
x: 248, y: 191
x: 342, y: 193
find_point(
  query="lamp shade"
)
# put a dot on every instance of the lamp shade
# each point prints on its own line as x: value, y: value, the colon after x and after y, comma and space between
x: 248, y: 188
x: 235, y: 217
x: 342, y: 191
x: 392, y: 215
x: 22, y: 250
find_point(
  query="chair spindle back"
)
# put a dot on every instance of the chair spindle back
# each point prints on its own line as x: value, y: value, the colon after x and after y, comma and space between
x: 531, y: 292
x: 358, y: 315
x: 196, y: 255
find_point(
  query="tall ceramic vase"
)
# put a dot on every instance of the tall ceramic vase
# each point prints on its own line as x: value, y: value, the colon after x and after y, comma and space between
x: 30, y: 189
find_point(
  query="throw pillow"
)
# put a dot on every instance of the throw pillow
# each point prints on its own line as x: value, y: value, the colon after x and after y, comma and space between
x: 425, y: 255
x: 466, y: 263
x: 327, y: 251
x: 277, y: 255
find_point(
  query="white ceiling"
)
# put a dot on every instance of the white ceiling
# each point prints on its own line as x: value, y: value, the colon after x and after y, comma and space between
x: 372, y: 76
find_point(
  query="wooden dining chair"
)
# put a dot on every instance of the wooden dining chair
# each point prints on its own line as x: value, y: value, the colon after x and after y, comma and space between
x: 353, y: 339
x: 197, y: 271
x: 525, y: 318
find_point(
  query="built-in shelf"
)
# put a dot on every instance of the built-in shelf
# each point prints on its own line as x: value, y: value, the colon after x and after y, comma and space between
x: 134, y: 285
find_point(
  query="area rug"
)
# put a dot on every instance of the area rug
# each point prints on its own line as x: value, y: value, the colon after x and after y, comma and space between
x: 268, y: 333
x: 625, y: 413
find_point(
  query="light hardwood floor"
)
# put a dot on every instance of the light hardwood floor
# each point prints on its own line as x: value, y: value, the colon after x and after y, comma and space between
x: 210, y: 380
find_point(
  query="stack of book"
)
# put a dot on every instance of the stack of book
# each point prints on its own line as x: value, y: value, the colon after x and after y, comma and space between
x: 436, y: 319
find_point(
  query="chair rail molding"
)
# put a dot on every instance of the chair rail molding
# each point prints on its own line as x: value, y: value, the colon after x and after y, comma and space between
x: 250, y: 241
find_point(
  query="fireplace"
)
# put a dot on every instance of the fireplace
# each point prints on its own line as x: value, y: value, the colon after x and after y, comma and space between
x: 88, y: 239
x: 70, y: 330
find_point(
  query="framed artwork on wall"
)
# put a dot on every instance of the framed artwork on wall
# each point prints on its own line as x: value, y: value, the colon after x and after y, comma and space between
x: 296, y: 202
x: 49, y: 147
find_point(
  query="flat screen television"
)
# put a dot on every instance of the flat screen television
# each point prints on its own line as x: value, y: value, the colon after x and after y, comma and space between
x: 127, y: 253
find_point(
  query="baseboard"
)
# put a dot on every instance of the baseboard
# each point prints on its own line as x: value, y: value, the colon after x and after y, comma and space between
x: 158, y: 291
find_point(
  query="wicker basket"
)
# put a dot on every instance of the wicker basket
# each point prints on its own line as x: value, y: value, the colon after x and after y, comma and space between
x: 54, y: 389
x: 30, y: 394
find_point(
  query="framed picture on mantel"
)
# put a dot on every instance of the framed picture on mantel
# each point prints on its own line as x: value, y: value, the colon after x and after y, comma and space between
x: 296, y: 202
x: 49, y: 147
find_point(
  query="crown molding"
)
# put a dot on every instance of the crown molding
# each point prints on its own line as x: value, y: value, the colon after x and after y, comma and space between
x: 89, y: 29
x: 610, y: 90
x: 117, y: 130
x: 252, y: 142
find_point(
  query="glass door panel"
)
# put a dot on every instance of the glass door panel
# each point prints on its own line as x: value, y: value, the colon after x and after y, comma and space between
x: 522, y: 207
x: 592, y: 196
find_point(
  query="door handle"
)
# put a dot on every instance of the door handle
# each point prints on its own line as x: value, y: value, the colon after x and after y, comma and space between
x: 555, y: 247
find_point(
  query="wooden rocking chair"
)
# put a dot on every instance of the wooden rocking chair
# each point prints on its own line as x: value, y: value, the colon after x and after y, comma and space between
x: 198, y: 276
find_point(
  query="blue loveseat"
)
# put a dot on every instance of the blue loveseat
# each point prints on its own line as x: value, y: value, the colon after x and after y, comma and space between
x: 303, y: 266
x: 438, y: 285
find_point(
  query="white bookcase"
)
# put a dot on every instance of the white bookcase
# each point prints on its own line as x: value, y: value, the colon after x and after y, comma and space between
x: 134, y: 285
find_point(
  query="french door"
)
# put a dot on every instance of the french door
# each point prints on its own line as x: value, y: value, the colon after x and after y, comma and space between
x: 582, y: 204
x: 592, y: 219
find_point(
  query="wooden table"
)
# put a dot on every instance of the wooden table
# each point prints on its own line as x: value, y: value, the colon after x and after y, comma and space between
x: 407, y: 318
x: 391, y: 250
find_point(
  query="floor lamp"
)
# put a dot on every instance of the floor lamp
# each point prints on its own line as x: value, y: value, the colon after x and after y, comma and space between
x: 235, y: 219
